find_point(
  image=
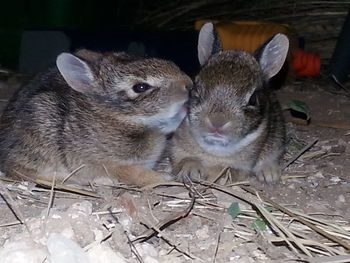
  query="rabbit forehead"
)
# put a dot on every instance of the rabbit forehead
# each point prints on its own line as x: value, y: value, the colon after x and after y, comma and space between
x: 236, y: 68
x: 229, y: 74
x: 144, y: 67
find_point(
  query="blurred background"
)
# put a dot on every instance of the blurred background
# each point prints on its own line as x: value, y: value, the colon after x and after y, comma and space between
x: 32, y: 33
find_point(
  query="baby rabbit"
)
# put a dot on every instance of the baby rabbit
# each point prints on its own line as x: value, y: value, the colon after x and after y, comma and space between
x: 108, y: 114
x: 234, y: 120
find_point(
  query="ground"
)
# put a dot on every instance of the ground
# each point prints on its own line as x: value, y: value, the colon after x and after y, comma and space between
x: 201, y: 222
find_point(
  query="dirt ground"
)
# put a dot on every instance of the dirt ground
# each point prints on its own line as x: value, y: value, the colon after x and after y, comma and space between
x: 199, y: 223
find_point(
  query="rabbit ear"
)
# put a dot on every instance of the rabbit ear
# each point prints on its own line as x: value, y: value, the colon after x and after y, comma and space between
x: 76, y: 72
x: 88, y: 55
x: 273, y: 54
x: 208, y: 43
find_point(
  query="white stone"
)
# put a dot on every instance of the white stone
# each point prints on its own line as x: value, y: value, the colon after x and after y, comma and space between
x: 104, y: 254
x: 22, y: 251
x: 64, y: 250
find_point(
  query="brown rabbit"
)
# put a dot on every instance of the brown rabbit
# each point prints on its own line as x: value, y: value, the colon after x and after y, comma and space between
x: 108, y: 114
x: 234, y: 119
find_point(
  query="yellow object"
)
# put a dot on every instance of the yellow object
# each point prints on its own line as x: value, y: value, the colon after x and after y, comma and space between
x: 247, y: 35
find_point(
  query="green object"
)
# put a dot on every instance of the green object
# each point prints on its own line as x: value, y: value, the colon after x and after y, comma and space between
x: 269, y: 208
x: 300, y: 107
x: 234, y: 210
x: 259, y: 224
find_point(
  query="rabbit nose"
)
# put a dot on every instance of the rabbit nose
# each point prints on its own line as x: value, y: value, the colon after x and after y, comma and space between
x: 217, y: 124
x: 181, y: 88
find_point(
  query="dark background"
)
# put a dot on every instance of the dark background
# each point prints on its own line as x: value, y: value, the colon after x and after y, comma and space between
x: 33, y: 32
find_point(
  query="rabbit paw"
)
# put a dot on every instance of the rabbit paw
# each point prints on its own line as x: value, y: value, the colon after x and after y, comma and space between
x: 270, y: 173
x: 238, y: 175
x: 140, y: 176
x: 190, y: 170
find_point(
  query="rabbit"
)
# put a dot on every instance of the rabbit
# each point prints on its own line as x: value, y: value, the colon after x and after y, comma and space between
x: 103, y: 116
x: 234, y: 120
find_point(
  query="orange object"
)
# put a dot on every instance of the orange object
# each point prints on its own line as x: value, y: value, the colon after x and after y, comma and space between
x: 248, y: 35
x: 306, y: 64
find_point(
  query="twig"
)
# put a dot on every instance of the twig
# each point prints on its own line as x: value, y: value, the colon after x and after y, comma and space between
x: 49, y: 205
x: 133, y: 248
x: 161, y: 235
x: 58, y: 186
x: 12, y: 205
x: 96, y: 242
x: 166, y: 222
x: 278, y: 227
x: 217, y: 247
x: 300, y: 153
x: 66, y: 188
x: 331, y: 259
x: 73, y: 172
x: 300, y: 219
x: 334, y: 125
x: 222, y: 172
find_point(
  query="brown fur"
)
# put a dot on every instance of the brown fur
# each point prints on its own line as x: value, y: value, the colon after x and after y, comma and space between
x: 49, y: 128
x: 252, y: 136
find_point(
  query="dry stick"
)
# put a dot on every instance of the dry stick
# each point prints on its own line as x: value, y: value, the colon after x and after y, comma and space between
x: 311, y: 218
x: 222, y: 172
x: 172, y: 244
x: 11, y: 224
x: 300, y: 153
x: 279, y: 228
x: 58, y: 186
x: 315, y: 243
x: 9, y: 180
x: 133, y: 248
x: 73, y: 172
x: 11, y: 203
x: 334, y: 125
x: 96, y: 242
x: 331, y: 259
x: 300, y: 219
x: 167, y: 221
x: 50, y: 200
x: 217, y: 247
x: 66, y: 188
x: 282, y: 231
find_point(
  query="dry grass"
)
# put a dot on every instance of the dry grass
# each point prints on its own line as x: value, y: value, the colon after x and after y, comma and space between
x: 306, y: 237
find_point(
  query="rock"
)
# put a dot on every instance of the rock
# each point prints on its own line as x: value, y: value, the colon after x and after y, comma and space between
x: 22, y: 251
x: 64, y: 250
x: 104, y: 254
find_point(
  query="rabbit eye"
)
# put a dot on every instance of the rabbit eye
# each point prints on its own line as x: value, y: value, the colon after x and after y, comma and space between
x: 140, y: 87
x: 254, y: 100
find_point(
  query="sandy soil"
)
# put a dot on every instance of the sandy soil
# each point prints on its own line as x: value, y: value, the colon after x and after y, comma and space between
x: 197, y: 224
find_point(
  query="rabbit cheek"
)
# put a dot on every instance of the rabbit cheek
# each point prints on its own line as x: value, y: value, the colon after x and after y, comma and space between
x: 167, y: 119
x: 179, y: 91
x: 253, y: 120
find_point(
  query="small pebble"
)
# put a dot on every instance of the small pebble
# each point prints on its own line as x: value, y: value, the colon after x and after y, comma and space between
x: 341, y: 198
x: 335, y: 179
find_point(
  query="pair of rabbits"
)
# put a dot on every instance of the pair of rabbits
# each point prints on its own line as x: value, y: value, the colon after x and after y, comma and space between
x: 109, y: 115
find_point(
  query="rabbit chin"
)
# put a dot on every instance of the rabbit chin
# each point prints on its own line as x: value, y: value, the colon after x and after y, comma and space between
x: 225, y: 145
x: 167, y: 121
x: 221, y: 146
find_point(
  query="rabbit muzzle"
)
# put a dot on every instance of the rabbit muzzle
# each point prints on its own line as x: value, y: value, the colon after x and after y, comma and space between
x: 215, y: 132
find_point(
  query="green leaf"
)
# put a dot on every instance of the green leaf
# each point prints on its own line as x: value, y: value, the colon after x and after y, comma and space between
x: 269, y: 208
x: 259, y: 224
x: 234, y: 210
x: 299, y: 107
